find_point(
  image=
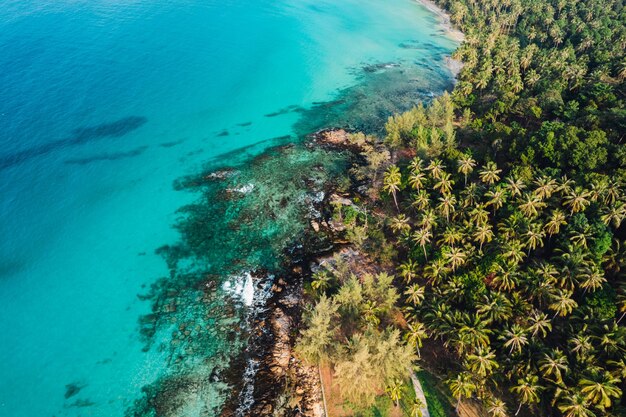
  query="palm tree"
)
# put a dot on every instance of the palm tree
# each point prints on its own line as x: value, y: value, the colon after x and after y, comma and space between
x: 539, y: 324
x: 414, y: 294
x: 534, y: 237
x: 577, y: 200
x: 482, y: 234
x: 400, y: 223
x: 416, y: 180
x: 489, y: 174
x: 422, y: 237
x: 563, y: 303
x: 455, y: 257
x: 515, y: 338
x: 436, y: 168
x: 421, y: 200
x: 575, y: 405
x: 428, y: 220
x: 461, y: 387
x: 614, y: 215
x: 479, y: 215
x: 392, y: 182
x: 513, y: 252
x: 416, y: 332
x: 557, y: 219
x: 416, y: 408
x: 546, y: 186
x: 408, y: 270
x: 451, y: 236
x: 447, y: 206
x: 527, y: 390
x: 466, y: 165
x: 482, y: 362
x: 515, y: 186
x: 592, y: 280
x: 554, y: 365
x: 496, y: 407
x: 416, y: 164
x: 471, y: 195
x: 497, y: 198
x: 445, y: 183
x: 600, y: 389
x: 394, y: 390
x: 435, y: 271
x: 531, y: 205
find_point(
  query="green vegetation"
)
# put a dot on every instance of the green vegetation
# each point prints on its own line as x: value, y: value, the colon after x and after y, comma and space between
x: 501, y: 207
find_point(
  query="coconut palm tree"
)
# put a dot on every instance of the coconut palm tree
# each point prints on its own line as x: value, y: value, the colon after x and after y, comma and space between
x: 483, y: 362
x: 497, y: 198
x: 531, y: 204
x: 527, y: 390
x: 421, y: 200
x: 451, y: 236
x: 471, y: 195
x: 514, y: 338
x: 455, y: 257
x: 554, y: 365
x: 496, y: 408
x: 414, y: 294
x: 515, y: 186
x: 416, y: 332
x: 435, y: 271
x: 600, y: 388
x: 416, y: 408
x: 546, y: 186
x: 479, y: 215
x: 539, y: 323
x: 557, y: 219
x: 574, y: 404
x: 422, y: 237
x: 400, y: 223
x: 416, y: 164
x: 614, y: 215
x: 447, y: 205
x: 578, y: 200
x: 394, y: 390
x: 483, y: 234
x: 592, y: 280
x: 466, y: 165
x: 408, y: 270
x: 428, y: 220
x: 392, y: 182
x: 436, y: 168
x: 321, y: 281
x: 513, y: 252
x: 445, y: 183
x: 534, y: 237
x: 563, y: 304
x: 417, y: 180
x: 489, y: 173
x: 461, y: 387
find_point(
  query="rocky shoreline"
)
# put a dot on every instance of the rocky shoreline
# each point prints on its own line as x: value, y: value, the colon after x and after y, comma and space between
x: 281, y: 384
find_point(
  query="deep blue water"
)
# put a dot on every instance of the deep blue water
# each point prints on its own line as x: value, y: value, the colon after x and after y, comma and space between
x: 103, y: 104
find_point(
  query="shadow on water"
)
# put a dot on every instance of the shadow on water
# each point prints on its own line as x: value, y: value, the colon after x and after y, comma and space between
x: 79, y: 136
x: 107, y: 156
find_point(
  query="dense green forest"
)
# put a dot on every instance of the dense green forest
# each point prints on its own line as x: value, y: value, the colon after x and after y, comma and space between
x: 501, y: 208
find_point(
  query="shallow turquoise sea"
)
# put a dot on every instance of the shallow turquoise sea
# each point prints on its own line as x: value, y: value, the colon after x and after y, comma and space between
x: 104, y: 106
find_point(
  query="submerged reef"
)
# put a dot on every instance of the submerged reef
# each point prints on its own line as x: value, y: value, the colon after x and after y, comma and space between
x: 227, y: 312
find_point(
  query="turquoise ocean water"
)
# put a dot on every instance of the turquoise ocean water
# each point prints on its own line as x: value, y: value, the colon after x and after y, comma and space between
x: 104, y: 104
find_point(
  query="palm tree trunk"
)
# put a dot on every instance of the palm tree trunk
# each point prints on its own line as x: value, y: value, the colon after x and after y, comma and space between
x: 395, y: 201
x: 518, y: 409
x: 620, y: 319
